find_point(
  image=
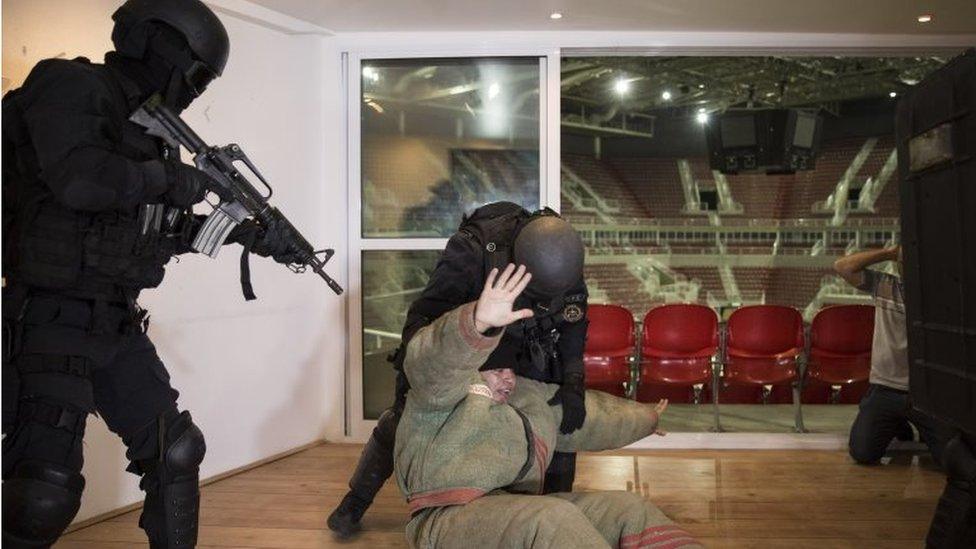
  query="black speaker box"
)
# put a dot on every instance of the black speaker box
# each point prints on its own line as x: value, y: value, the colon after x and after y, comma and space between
x: 770, y: 140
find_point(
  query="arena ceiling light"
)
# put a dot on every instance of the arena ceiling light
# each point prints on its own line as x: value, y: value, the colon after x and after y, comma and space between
x: 666, y: 95
x: 621, y: 86
x: 369, y: 73
x: 892, y: 94
x: 493, y: 90
x: 555, y: 15
x: 702, y: 116
x: 925, y: 18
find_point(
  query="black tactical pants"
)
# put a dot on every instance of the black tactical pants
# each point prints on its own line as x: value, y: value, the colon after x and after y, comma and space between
x: 66, y: 358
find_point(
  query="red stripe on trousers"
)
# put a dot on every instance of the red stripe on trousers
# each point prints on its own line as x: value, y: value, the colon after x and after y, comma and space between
x: 654, y: 535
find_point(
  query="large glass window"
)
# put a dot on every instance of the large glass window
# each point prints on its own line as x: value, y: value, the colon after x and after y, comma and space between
x: 443, y: 136
x: 391, y: 281
x: 620, y: 177
x: 438, y: 138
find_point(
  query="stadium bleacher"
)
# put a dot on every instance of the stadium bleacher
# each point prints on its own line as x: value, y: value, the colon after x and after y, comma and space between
x: 655, y: 183
x: 621, y: 287
x: 607, y: 184
x: 794, y: 287
x: 709, y: 279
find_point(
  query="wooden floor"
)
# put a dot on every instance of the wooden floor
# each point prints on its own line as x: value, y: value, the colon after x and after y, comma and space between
x: 792, y: 499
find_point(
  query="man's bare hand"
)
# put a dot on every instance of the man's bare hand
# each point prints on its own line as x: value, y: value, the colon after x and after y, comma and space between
x: 494, y: 307
x: 659, y: 409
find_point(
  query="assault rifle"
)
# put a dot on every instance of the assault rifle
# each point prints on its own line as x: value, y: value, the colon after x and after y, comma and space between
x: 239, y: 199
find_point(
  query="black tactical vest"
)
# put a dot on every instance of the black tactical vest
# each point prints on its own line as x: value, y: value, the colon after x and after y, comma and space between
x: 49, y: 246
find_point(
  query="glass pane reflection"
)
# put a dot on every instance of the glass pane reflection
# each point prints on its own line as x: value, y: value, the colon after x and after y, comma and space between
x: 443, y: 136
x: 391, y: 281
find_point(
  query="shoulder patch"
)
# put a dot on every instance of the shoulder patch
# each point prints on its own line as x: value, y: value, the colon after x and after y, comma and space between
x: 573, y: 313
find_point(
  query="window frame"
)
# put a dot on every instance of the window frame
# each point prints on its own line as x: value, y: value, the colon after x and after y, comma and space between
x: 356, y: 425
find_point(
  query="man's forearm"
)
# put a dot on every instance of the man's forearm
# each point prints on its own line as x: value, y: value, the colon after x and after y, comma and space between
x: 850, y: 267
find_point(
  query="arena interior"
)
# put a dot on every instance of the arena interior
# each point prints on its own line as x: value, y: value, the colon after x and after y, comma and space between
x: 660, y: 226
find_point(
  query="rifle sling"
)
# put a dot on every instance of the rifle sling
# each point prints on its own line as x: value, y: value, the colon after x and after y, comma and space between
x: 247, y: 243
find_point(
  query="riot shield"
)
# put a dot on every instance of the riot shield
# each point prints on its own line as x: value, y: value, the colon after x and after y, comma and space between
x: 935, y: 130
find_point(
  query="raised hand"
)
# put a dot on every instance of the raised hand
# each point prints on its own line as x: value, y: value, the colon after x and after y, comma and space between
x: 494, y: 307
x: 658, y: 410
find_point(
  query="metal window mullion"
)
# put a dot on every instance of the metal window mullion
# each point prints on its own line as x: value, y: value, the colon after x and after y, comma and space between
x: 354, y: 357
x: 550, y: 118
x: 394, y: 244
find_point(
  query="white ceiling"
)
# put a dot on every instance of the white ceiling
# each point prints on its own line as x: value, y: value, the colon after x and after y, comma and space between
x: 829, y: 16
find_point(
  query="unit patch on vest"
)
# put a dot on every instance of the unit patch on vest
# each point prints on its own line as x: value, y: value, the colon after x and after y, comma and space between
x: 573, y: 313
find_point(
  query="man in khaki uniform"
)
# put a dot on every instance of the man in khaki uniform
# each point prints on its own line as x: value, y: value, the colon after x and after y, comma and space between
x: 473, y: 447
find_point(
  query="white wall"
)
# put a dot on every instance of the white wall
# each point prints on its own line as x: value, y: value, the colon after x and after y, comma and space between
x: 262, y: 377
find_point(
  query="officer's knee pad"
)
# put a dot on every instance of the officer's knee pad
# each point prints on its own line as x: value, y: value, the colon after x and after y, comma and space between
x: 39, y: 501
x: 185, y: 448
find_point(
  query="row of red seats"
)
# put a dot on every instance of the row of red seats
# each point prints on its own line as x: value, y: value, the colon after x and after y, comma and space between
x: 682, y: 346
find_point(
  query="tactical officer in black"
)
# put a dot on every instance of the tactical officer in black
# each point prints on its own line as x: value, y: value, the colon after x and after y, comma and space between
x: 547, y: 347
x: 78, y: 178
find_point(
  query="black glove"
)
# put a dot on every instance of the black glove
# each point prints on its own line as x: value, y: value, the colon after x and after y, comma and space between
x: 274, y: 241
x: 571, y: 395
x: 187, y: 185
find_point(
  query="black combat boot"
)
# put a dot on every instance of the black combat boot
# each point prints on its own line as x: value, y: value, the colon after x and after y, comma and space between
x: 375, y: 466
x: 345, y: 520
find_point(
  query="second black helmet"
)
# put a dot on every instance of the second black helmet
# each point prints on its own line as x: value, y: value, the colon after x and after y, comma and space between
x: 553, y: 252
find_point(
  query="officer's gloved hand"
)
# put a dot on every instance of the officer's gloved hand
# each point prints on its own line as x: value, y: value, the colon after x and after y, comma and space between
x: 571, y: 395
x: 187, y: 185
x: 274, y: 241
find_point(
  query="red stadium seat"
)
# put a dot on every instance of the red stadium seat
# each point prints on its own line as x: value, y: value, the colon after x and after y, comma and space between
x: 677, y: 345
x: 840, y: 345
x: 610, y: 347
x: 763, y: 344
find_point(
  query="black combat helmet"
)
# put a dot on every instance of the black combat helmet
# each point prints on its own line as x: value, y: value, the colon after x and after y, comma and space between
x: 552, y: 251
x: 204, y: 34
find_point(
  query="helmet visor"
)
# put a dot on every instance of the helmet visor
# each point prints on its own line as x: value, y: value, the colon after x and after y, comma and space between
x: 198, y: 77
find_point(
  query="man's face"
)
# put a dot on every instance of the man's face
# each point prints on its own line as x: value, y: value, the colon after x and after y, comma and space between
x: 501, y: 382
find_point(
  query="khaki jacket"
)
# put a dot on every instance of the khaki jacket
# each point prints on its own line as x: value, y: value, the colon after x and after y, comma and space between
x: 455, y: 444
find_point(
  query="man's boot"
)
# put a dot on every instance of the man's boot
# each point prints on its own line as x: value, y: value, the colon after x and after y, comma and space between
x: 375, y: 466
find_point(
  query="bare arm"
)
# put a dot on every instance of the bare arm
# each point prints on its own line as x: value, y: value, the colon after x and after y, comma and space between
x: 851, y: 267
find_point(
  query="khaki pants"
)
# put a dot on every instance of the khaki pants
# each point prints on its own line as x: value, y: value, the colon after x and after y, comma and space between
x: 564, y: 520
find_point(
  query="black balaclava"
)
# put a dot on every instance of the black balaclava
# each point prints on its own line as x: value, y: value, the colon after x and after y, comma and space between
x: 156, y: 73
